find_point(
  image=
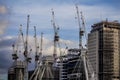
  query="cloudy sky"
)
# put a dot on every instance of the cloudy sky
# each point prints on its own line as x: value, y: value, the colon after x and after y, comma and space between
x: 14, y: 12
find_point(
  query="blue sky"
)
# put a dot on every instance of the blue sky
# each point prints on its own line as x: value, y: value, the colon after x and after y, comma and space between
x: 14, y: 12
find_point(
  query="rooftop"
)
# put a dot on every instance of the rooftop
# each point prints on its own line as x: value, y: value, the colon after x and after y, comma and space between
x: 112, y: 24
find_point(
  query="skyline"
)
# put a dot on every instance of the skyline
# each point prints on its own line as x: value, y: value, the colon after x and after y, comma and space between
x: 13, y: 13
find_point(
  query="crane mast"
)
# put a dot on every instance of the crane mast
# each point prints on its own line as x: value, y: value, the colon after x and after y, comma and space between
x: 22, y: 36
x: 27, y: 59
x: 81, y: 31
x: 81, y: 34
x: 56, y: 37
x: 36, y: 48
x: 26, y: 42
x: 15, y: 47
x: 41, y: 46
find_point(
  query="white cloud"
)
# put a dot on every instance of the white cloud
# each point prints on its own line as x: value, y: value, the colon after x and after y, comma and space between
x: 47, y: 45
x: 64, y: 17
x: 65, y: 14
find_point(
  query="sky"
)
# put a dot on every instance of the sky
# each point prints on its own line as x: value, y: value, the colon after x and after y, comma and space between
x: 13, y: 13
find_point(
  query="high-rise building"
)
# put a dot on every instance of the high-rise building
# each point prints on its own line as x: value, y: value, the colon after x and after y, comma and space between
x: 104, y: 50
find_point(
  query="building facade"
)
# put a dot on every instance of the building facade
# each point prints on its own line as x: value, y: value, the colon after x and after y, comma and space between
x: 104, y: 50
x: 75, y: 67
x: 16, y: 71
x: 71, y: 66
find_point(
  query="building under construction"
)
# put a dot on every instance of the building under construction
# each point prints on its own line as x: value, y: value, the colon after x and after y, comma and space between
x: 76, y: 70
x: 47, y: 71
x: 99, y: 60
x: 16, y: 71
x: 70, y: 67
x: 104, y: 50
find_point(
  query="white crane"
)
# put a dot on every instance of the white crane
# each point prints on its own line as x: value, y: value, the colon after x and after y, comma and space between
x: 27, y: 58
x: 36, y: 48
x: 41, y: 46
x: 83, y: 56
x: 56, y: 36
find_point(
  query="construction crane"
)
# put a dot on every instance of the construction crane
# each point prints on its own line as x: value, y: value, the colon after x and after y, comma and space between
x: 81, y: 28
x: 27, y: 58
x: 81, y: 34
x: 41, y: 46
x: 83, y: 56
x: 36, y: 49
x: 38, y: 63
x: 56, y: 36
x: 22, y: 35
x: 18, y: 66
x: 89, y: 66
x: 15, y: 47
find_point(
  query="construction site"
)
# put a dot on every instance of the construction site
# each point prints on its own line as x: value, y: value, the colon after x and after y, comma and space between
x: 98, y: 59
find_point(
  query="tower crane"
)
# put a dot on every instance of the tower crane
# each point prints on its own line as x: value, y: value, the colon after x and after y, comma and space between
x: 22, y: 36
x: 56, y: 36
x: 83, y: 25
x: 81, y: 34
x: 41, y: 46
x: 15, y: 46
x: 38, y: 69
x: 83, y: 56
x: 36, y: 49
x: 15, y: 50
x: 89, y: 67
x: 27, y: 58
x: 18, y: 67
x: 81, y: 29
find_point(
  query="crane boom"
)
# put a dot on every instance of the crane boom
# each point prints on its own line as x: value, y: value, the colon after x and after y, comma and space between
x: 81, y: 34
x: 15, y: 49
x: 36, y: 48
x: 27, y: 59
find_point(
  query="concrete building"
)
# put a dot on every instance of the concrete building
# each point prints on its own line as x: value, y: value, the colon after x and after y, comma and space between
x: 71, y: 66
x: 75, y: 67
x: 104, y: 50
x: 63, y: 67
x: 16, y: 71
